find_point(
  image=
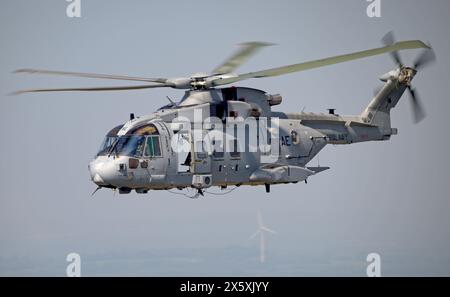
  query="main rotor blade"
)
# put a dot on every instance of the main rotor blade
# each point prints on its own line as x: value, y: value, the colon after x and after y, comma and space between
x: 93, y: 89
x: 413, y: 44
x: 90, y: 75
x: 247, y: 50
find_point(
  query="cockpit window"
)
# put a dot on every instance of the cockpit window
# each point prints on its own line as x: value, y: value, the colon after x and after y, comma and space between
x: 108, y: 141
x: 152, y: 148
x: 141, y: 141
x: 132, y: 146
x: 106, y: 145
x: 148, y: 129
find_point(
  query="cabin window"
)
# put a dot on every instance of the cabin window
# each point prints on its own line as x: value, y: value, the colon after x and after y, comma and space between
x: 235, y: 151
x: 233, y: 114
x: 295, y: 138
x: 217, y: 144
x: 218, y: 111
x: 229, y: 94
x: 152, y: 147
x: 200, y: 152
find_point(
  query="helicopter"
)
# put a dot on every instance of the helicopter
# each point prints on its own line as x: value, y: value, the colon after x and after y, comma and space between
x: 220, y: 136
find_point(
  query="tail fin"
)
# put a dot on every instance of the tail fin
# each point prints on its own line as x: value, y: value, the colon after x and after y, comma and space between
x: 378, y: 112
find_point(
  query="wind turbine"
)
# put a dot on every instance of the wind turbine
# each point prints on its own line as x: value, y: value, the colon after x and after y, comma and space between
x: 261, y: 230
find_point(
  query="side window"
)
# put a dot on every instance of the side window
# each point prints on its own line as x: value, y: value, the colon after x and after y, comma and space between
x: 139, y: 147
x: 229, y: 94
x: 200, y: 150
x: 235, y: 153
x: 152, y: 147
x: 295, y: 138
x: 218, y: 154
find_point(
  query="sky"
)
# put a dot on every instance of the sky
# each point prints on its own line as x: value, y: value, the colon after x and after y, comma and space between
x: 390, y: 197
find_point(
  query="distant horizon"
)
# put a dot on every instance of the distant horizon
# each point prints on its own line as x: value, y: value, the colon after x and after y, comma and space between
x: 244, y: 262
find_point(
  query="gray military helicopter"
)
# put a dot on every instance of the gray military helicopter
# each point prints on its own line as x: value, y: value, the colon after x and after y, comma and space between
x: 174, y: 147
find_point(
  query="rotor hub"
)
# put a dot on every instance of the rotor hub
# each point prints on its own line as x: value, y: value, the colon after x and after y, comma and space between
x: 406, y: 75
x: 198, y: 84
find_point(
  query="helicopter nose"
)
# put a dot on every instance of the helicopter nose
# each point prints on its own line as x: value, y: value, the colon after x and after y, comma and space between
x: 102, y: 173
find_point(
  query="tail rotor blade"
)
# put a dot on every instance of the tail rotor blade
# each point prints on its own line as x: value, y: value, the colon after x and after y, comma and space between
x: 428, y: 56
x: 389, y: 39
x: 418, y: 110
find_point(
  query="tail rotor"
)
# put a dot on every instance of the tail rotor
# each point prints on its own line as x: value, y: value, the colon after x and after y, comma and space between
x: 426, y: 58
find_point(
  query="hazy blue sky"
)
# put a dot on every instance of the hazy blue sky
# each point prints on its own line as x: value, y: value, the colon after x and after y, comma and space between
x: 388, y: 197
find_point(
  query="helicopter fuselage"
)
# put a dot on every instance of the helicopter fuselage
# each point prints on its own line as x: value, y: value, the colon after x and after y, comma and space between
x: 173, y: 147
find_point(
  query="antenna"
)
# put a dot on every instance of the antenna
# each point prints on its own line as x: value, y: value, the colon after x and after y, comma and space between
x: 171, y: 101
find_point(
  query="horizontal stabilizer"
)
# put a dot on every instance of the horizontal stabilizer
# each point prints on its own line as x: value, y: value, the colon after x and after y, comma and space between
x: 359, y: 124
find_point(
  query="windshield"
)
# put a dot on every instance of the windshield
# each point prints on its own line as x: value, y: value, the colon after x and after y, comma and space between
x: 106, y: 145
x: 131, y: 146
x: 108, y: 141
